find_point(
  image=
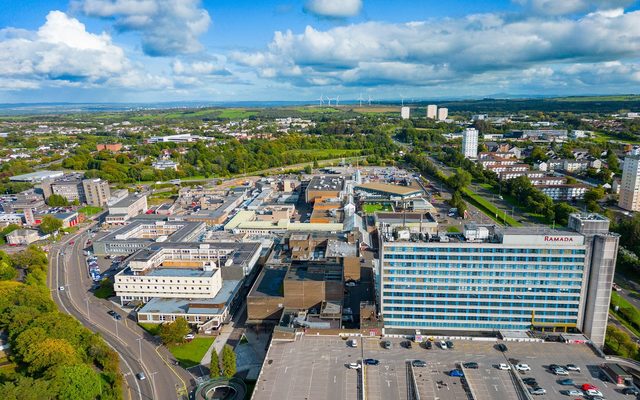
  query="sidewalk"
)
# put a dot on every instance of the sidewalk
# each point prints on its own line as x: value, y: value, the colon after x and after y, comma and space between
x: 218, y: 344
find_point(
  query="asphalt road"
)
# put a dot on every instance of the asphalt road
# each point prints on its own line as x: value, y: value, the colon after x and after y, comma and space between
x: 138, y: 350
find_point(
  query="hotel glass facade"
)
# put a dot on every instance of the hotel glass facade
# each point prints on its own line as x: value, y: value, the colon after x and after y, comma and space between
x: 481, y: 286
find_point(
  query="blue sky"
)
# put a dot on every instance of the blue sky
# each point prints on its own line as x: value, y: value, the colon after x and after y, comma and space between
x: 225, y: 50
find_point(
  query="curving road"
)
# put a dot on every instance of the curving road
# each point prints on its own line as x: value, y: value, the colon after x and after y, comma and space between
x: 138, y: 351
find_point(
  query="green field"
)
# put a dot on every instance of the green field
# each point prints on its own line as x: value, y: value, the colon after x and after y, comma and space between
x: 324, y: 153
x: 152, y: 329
x: 629, y: 97
x: 489, y: 209
x: 372, y: 208
x: 191, y: 353
x: 89, y: 210
x: 232, y: 113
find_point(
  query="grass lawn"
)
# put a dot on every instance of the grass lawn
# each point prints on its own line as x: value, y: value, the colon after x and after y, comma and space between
x: 622, y: 303
x: 325, y: 153
x: 191, y: 353
x: 231, y: 113
x: 489, y: 209
x: 371, y: 208
x: 152, y: 329
x: 453, y: 229
x: 89, y: 210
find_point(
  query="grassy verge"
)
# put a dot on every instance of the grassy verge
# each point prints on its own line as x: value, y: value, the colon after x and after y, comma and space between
x: 191, y: 353
x: 453, y: 229
x: 104, y: 292
x: 152, y: 329
x: 489, y: 209
x: 627, y: 313
x: 89, y: 210
x: 371, y: 208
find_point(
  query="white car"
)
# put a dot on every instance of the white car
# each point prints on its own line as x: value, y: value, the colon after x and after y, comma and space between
x: 560, y: 372
x: 350, y: 284
x: 353, y: 365
x: 594, y: 393
x: 443, y: 345
x: 190, y: 336
x: 504, y: 367
x: 573, y: 392
x: 572, y: 367
x: 523, y: 367
x: 61, y: 288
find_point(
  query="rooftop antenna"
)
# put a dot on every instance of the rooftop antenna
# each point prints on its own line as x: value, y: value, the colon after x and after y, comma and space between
x: 360, y: 99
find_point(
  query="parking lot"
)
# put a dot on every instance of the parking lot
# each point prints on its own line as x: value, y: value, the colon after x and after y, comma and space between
x: 315, y: 368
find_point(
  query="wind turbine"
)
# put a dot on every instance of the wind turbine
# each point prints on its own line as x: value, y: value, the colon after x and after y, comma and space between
x: 360, y: 99
x: 370, y: 99
x: 337, y: 100
x: 329, y: 99
x: 402, y: 97
x: 321, y: 100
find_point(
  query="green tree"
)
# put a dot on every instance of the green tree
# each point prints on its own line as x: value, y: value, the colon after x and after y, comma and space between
x: 228, y: 361
x: 214, y: 367
x: 56, y: 200
x: 174, y: 332
x: 77, y: 382
x: 307, y: 169
x: 594, y: 194
x: 7, y: 272
x: 562, y: 211
x: 612, y: 161
x: 50, y: 224
x: 25, y: 388
x: 459, y: 180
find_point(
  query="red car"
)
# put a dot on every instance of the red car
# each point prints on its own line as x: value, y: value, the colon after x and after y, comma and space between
x: 72, y: 242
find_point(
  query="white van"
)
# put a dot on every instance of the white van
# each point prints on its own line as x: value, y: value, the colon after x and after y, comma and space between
x: 353, y: 343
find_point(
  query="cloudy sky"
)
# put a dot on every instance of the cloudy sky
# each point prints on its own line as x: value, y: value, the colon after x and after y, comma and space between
x: 232, y: 50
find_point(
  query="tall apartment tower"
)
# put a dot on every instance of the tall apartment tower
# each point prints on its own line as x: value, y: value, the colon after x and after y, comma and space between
x: 432, y: 111
x: 96, y: 192
x: 443, y: 113
x: 470, y: 143
x: 630, y: 184
x: 405, y: 112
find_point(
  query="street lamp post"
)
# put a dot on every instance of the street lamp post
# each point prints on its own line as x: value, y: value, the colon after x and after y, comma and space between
x: 140, y: 346
x: 116, y: 321
x: 88, y: 316
x: 153, y: 381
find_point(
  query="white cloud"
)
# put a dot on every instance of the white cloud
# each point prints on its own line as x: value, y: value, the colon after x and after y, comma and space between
x: 334, y: 8
x: 439, y: 51
x: 198, y: 68
x: 563, y: 7
x: 167, y: 27
x: 63, y: 53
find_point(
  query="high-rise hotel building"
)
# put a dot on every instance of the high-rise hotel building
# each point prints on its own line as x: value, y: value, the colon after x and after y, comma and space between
x: 491, y: 279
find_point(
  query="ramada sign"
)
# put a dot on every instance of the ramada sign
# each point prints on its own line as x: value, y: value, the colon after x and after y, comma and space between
x: 558, y: 239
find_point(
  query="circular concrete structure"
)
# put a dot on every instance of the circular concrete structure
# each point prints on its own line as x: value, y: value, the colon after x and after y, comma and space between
x: 221, y: 389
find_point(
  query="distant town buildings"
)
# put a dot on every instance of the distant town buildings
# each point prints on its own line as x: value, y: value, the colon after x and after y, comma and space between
x: 443, y: 114
x: 405, y: 112
x: 630, y: 184
x: 165, y: 164
x: 470, y: 143
x: 35, y: 177
x: 432, y: 111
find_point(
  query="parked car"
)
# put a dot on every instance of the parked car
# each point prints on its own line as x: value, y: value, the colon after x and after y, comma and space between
x: 371, y: 361
x: 594, y: 392
x: 530, y: 381
x: 428, y: 345
x: 572, y: 392
x: 190, y: 336
x: 566, y: 382
x: 560, y: 372
x: 353, y: 343
x: 504, y: 367
x: 443, y: 345
x: 572, y: 367
x: 141, y: 376
x: 449, y: 344
x: 406, y: 344
x: 523, y: 367
x: 386, y: 344
x: 502, y: 347
x: 456, y: 373
x: 537, y: 391
x: 353, y: 365
x: 418, y: 363
x: 470, y: 365
x: 630, y: 391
